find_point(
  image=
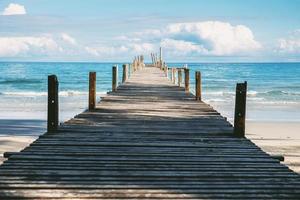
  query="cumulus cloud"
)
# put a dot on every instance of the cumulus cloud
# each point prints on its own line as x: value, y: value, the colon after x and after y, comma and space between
x: 209, y: 38
x: 182, y: 47
x: 128, y: 49
x: 290, y: 44
x: 22, y: 46
x: 14, y: 9
x: 67, y: 38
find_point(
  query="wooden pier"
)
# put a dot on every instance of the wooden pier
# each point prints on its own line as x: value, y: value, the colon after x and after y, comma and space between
x: 148, y: 139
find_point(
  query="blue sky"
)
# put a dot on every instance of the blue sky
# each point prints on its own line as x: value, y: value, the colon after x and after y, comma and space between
x: 116, y: 30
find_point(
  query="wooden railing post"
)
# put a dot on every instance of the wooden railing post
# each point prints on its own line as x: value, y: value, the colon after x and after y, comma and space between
x: 114, y: 78
x: 124, y: 78
x: 187, y: 80
x: 198, y: 85
x: 52, y: 121
x: 240, y: 109
x: 168, y: 72
x: 173, y: 75
x: 179, y: 76
x: 92, y: 90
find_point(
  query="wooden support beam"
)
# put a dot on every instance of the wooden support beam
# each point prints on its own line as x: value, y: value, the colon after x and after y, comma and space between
x: 92, y: 90
x: 114, y: 78
x: 240, y: 109
x: 179, y: 72
x: 52, y: 122
x: 187, y: 80
x: 278, y: 157
x: 198, y: 86
x: 125, y: 73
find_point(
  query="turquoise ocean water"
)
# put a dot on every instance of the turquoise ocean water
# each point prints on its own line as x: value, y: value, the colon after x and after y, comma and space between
x: 273, y: 88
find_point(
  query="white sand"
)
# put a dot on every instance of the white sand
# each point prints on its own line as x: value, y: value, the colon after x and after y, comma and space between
x: 280, y: 138
x: 14, y: 143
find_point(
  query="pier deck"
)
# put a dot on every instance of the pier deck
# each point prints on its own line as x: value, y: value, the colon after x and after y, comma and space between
x: 147, y: 140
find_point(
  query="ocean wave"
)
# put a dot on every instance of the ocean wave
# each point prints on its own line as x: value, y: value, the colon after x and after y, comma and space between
x: 281, y: 92
x: 36, y: 94
x: 253, y: 93
x: 229, y: 93
x: 20, y: 81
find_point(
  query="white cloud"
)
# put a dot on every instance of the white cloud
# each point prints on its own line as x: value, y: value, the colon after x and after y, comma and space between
x: 188, y: 40
x: 209, y: 37
x: 128, y: 49
x: 14, y: 9
x: 67, y: 38
x: 182, y: 47
x: 25, y: 46
x: 290, y: 44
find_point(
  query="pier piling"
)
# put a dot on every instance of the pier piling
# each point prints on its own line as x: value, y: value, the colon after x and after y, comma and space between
x: 52, y: 121
x: 92, y: 90
x: 240, y: 109
x: 114, y: 78
x: 125, y: 73
x: 187, y: 80
x: 198, y: 85
x: 179, y: 74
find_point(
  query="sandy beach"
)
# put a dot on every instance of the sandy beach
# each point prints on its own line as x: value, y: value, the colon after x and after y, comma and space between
x: 277, y: 138
x: 16, y: 134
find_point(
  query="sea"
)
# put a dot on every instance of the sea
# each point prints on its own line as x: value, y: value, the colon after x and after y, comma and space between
x: 273, y: 88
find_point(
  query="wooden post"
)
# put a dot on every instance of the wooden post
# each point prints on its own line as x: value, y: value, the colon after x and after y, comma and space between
x: 142, y: 60
x: 187, y: 80
x: 124, y: 77
x: 92, y: 90
x: 114, y: 78
x: 152, y: 58
x: 173, y: 75
x: 52, y: 122
x: 160, y: 54
x: 198, y: 85
x: 240, y: 109
x: 167, y: 72
x: 179, y: 76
